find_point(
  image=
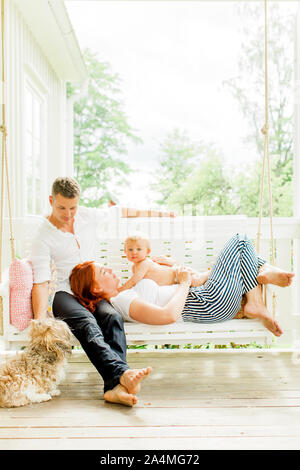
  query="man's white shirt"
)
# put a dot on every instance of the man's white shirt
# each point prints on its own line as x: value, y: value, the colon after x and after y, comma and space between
x: 66, y: 249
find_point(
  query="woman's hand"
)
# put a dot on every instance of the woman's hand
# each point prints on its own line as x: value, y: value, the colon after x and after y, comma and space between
x: 184, y: 276
x: 165, y: 260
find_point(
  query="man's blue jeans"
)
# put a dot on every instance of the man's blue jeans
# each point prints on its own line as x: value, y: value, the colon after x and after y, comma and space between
x: 101, y: 335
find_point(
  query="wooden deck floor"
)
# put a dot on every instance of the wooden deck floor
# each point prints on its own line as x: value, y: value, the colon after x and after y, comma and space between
x: 191, y: 401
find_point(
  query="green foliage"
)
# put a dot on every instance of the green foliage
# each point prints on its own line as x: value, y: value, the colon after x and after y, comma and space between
x: 250, y: 94
x: 101, y: 134
x: 203, y: 185
x: 207, y: 191
x: 178, y: 156
x: 193, y: 178
x: 248, y: 190
x: 249, y: 86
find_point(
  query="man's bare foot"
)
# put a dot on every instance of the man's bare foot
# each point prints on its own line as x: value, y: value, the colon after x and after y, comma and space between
x: 120, y: 395
x: 272, y: 275
x: 132, y: 377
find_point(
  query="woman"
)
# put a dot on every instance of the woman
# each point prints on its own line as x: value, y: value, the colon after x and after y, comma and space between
x: 238, y: 270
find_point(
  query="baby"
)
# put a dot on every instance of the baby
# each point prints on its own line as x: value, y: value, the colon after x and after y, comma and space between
x: 137, y: 248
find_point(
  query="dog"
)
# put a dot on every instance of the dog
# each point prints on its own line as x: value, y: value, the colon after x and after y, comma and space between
x: 33, y: 376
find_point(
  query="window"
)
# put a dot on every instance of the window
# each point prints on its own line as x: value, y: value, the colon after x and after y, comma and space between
x: 35, y: 154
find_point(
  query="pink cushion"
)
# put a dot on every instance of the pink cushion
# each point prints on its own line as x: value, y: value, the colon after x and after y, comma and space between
x: 20, y: 287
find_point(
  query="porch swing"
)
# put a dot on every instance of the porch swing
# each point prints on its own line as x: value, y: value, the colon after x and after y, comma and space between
x: 238, y: 331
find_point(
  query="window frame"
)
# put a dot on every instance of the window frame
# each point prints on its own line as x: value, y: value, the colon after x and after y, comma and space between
x: 33, y: 84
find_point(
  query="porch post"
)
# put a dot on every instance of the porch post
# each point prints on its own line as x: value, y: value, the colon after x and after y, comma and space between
x: 69, y: 138
x: 297, y: 117
x: 296, y: 213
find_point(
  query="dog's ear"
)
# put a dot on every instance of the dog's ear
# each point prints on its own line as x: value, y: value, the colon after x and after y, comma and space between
x: 47, y: 338
x: 40, y: 332
x: 38, y: 326
x: 54, y: 339
x: 33, y: 327
x: 51, y: 335
x: 66, y: 347
x: 33, y: 323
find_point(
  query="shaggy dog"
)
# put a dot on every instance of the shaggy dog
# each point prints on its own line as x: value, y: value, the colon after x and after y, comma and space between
x: 33, y: 376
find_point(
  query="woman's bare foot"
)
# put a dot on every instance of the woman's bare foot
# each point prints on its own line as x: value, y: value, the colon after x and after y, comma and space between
x: 120, y: 395
x: 255, y: 308
x: 272, y: 275
x: 132, y: 377
x: 272, y: 325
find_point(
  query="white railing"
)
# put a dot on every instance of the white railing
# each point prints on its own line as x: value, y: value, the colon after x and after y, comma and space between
x: 192, y: 241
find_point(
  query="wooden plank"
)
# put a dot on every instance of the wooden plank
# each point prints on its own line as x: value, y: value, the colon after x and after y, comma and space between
x: 86, y: 391
x: 287, y: 358
x: 155, y: 403
x: 204, y: 401
x: 132, y: 432
x: 170, y: 374
x: 84, y: 412
x: 196, y: 330
x: 141, y: 356
x: 188, y: 443
x: 197, y: 338
x: 257, y: 359
x: 243, y: 384
x: 255, y: 362
x: 284, y: 227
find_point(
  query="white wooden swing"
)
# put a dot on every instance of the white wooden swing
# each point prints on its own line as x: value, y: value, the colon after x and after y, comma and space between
x: 183, y: 245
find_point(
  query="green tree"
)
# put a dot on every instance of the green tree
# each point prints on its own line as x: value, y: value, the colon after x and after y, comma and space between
x: 101, y: 134
x: 206, y: 191
x: 247, y: 188
x: 191, y: 177
x: 249, y: 90
x: 177, y: 156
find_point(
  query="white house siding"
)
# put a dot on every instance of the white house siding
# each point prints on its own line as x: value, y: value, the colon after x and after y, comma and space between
x: 24, y: 56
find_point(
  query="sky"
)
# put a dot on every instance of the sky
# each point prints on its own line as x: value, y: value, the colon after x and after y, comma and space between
x: 172, y: 57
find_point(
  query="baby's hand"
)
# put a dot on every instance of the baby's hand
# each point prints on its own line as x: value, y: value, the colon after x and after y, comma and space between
x: 184, y: 276
x: 165, y: 260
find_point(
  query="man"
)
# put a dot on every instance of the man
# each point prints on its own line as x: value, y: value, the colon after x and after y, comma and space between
x: 68, y: 237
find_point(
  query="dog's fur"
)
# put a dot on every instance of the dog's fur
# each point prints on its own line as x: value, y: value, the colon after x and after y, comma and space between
x: 33, y: 376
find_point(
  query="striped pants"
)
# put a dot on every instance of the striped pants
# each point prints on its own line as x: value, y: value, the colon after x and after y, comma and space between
x: 233, y: 274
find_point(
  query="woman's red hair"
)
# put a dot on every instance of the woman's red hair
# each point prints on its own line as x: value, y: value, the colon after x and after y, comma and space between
x: 84, y: 285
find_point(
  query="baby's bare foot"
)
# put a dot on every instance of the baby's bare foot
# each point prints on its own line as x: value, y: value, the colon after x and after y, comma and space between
x: 272, y: 275
x: 132, y: 377
x: 120, y: 395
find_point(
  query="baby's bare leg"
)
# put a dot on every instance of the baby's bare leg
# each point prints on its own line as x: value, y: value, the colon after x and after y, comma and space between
x: 198, y: 279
